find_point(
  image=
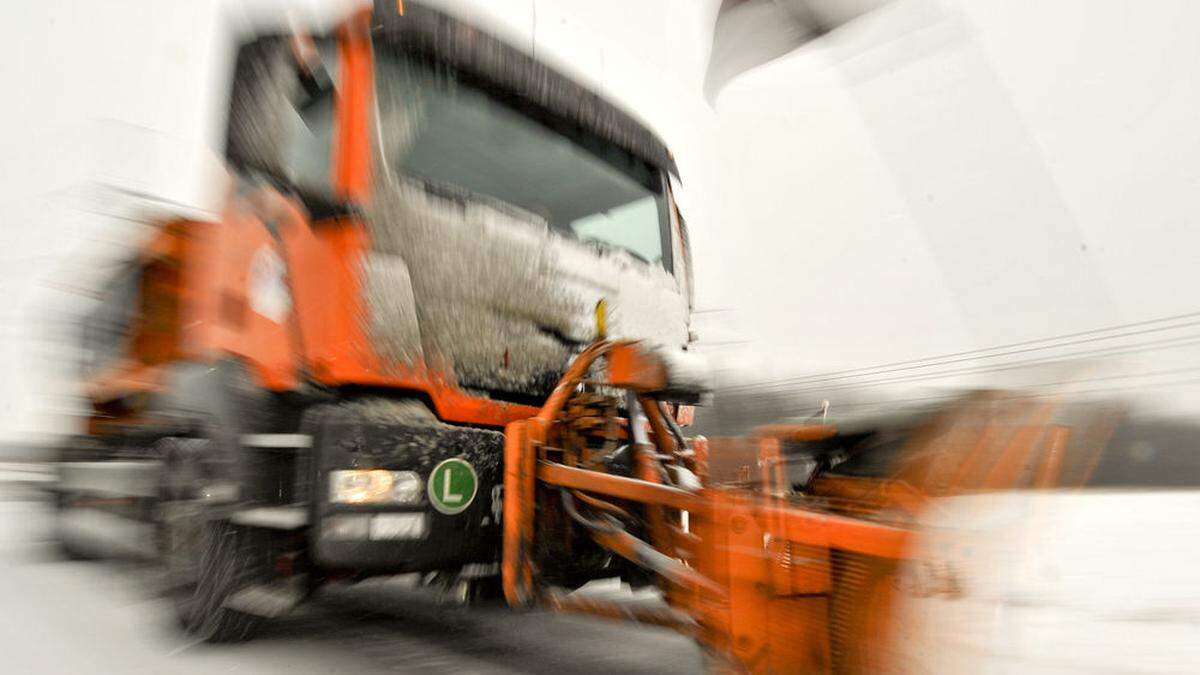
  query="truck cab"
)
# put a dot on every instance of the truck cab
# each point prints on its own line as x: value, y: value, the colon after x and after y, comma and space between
x: 421, y: 224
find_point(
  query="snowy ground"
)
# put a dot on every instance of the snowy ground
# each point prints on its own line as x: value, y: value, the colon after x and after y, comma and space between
x: 1056, y: 582
x: 61, y: 616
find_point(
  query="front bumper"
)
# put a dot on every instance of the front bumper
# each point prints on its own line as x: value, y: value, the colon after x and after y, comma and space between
x: 403, y: 538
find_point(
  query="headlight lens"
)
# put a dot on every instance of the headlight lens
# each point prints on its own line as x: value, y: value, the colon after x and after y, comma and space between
x: 375, y: 486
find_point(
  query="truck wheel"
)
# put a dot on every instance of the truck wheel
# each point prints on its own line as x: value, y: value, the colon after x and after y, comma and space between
x: 206, y: 559
x: 180, y: 513
x: 485, y: 591
x: 231, y: 558
x: 75, y: 449
x: 68, y: 546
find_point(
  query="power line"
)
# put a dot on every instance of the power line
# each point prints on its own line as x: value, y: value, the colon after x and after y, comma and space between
x: 945, y: 359
x: 1016, y: 397
x: 1015, y: 344
x: 1157, y: 373
x: 1167, y: 343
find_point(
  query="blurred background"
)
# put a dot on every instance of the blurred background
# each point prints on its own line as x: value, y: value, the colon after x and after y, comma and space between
x: 939, y: 195
x: 936, y: 178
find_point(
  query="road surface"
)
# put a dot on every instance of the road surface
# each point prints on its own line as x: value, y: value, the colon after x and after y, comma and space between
x: 63, y: 616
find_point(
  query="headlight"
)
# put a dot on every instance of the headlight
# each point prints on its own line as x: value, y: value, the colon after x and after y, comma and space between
x: 374, y: 486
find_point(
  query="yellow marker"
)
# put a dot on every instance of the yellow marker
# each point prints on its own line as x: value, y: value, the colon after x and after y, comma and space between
x: 601, y: 319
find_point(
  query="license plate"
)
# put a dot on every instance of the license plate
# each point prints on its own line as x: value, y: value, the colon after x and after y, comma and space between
x: 398, y: 526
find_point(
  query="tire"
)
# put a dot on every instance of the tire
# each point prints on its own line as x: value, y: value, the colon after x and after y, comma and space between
x: 487, y: 591
x: 231, y: 559
x: 206, y: 559
x: 67, y: 546
x: 181, y: 516
x: 74, y: 449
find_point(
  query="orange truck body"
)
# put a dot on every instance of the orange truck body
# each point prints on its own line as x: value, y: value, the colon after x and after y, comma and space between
x: 195, y: 299
x: 768, y: 573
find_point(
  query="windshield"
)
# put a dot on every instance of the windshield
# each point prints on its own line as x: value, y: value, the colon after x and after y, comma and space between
x: 440, y: 129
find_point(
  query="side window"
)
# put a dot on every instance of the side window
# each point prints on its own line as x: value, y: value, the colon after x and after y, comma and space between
x: 308, y: 149
x: 684, y: 260
x: 308, y: 140
x: 281, y: 114
x: 681, y: 247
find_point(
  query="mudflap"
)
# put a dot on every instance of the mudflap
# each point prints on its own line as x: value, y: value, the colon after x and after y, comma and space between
x: 402, y: 436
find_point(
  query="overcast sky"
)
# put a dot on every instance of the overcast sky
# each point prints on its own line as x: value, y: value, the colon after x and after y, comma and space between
x: 939, y: 177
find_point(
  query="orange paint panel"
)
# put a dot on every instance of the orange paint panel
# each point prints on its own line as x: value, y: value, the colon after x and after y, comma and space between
x: 1014, y: 460
x: 748, y: 594
x: 700, y: 454
x: 519, y: 494
x: 317, y: 285
x: 1050, y: 469
x: 808, y: 568
x: 849, y: 534
x: 247, y: 302
x: 352, y: 141
x: 325, y: 263
x: 618, y: 486
x: 798, y: 635
x: 797, y: 433
x: 634, y: 368
x: 123, y: 378
x: 872, y: 492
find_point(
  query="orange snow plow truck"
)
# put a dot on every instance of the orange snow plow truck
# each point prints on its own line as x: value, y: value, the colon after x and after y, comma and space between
x: 441, y: 326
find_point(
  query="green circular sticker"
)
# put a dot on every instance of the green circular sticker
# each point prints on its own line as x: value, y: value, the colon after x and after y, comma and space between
x: 452, y: 486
